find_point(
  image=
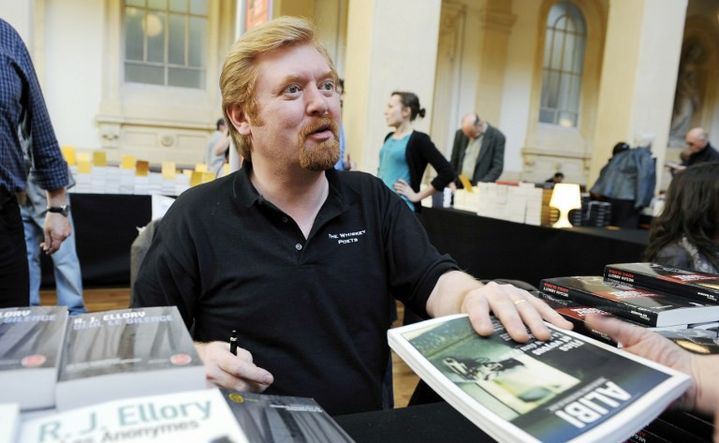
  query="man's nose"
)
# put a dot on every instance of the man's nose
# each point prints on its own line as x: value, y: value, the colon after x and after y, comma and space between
x: 317, y: 103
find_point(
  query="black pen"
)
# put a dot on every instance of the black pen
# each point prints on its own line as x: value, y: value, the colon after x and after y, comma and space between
x: 233, y: 342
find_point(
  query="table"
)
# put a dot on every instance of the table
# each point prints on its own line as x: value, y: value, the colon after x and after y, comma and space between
x: 491, y: 248
x: 439, y: 422
x: 429, y: 423
x: 105, y: 227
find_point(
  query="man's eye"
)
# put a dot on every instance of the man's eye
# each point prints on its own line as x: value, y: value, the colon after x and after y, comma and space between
x: 328, y: 85
x: 292, y: 89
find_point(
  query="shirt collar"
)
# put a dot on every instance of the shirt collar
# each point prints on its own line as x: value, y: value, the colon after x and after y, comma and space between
x: 246, y: 195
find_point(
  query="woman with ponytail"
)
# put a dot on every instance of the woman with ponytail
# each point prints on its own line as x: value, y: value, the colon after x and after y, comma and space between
x: 406, y: 153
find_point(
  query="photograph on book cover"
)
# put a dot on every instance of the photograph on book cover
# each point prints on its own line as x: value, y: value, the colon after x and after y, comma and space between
x: 554, y: 391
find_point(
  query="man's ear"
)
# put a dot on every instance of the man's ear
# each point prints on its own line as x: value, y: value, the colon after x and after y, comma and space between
x: 239, y: 119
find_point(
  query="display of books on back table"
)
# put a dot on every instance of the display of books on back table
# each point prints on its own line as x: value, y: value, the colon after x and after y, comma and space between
x: 570, y: 388
x: 30, y: 344
x: 126, y: 353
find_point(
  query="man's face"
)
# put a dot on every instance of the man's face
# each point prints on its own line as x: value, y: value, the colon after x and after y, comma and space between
x: 470, y: 129
x: 298, y: 110
x: 695, y: 143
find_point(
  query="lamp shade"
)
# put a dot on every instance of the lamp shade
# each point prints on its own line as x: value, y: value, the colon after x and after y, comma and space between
x: 565, y: 197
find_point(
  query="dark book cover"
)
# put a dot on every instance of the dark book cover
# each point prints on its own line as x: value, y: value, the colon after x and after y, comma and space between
x: 278, y: 418
x: 649, y: 307
x: 699, y: 286
x: 576, y: 314
x: 647, y: 436
x: 692, y: 422
x: 30, y: 345
x: 105, y: 349
x: 672, y: 432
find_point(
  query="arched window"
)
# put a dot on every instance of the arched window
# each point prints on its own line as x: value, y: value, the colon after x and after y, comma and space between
x: 564, y: 43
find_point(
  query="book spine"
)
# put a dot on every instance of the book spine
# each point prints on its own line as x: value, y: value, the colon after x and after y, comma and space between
x: 586, y: 298
x: 650, y: 282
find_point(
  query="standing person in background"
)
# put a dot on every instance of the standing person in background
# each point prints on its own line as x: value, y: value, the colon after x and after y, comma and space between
x: 627, y: 181
x: 68, y: 277
x: 698, y: 149
x: 406, y: 153
x: 218, y: 147
x: 25, y: 123
x: 478, y: 150
x: 686, y: 234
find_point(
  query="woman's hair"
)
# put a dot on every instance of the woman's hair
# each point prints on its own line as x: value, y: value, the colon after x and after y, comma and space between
x: 691, y: 210
x: 240, y: 71
x: 619, y: 147
x: 411, y: 101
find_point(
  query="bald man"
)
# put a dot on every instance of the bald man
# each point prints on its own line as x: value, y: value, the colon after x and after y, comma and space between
x: 478, y: 150
x: 698, y: 148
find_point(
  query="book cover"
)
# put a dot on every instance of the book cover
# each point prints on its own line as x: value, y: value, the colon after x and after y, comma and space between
x: 9, y: 422
x: 699, y: 286
x: 278, y: 418
x: 571, y: 388
x: 126, y: 353
x: 30, y: 345
x: 648, y: 307
x: 192, y: 416
x: 576, y: 313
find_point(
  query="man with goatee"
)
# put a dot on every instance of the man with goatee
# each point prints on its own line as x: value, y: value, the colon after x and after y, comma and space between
x: 299, y: 259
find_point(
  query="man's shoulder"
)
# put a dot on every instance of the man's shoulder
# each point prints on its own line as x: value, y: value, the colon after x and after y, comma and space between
x: 206, y: 193
x: 495, y: 132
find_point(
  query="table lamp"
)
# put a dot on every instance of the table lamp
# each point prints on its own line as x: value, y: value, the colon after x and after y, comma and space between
x: 565, y: 197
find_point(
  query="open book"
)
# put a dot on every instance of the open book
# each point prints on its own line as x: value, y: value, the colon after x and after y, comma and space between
x: 571, y: 388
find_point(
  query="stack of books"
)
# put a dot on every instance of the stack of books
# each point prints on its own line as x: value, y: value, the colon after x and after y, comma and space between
x: 131, y: 375
x: 50, y: 361
x: 598, y: 214
x: 681, y: 305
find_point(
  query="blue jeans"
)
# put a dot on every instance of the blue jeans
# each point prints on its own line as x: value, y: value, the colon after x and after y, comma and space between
x: 68, y: 279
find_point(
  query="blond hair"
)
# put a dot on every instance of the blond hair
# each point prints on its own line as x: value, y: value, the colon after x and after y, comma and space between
x: 239, y: 72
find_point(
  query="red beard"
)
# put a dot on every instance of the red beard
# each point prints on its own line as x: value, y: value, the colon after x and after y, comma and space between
x: 322, y: 156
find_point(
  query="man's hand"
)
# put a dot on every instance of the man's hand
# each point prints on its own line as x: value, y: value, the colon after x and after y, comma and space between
x: 230, y: 371
x: 512, y: 306
x: 458, y: 291
x: 57, y: 229
x: 702, y: 395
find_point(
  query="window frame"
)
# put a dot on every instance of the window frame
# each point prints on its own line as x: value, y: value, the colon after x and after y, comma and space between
x: 166, y: 65
x: 567, y: 103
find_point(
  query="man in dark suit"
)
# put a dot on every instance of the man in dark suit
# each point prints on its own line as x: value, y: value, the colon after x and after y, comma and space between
x: 478, y: 150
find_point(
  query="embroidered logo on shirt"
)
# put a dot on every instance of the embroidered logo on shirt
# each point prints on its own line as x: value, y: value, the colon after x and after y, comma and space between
x: 345, y: 238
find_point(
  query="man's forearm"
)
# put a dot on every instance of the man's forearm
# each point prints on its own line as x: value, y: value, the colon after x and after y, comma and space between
x: 56, y: 197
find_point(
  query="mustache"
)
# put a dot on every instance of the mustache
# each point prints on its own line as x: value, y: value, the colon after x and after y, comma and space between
x: 320, y: 124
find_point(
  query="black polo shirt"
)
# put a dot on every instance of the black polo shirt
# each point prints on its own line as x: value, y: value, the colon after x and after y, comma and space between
x: 313, y: 312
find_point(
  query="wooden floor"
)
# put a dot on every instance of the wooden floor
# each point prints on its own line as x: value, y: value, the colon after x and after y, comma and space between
x: 119, y: 298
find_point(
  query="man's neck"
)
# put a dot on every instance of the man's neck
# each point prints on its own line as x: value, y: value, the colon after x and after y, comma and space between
x: 298, y: 192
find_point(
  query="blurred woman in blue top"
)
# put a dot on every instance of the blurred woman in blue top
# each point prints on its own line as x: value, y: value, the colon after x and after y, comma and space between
x: 406, y: 153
